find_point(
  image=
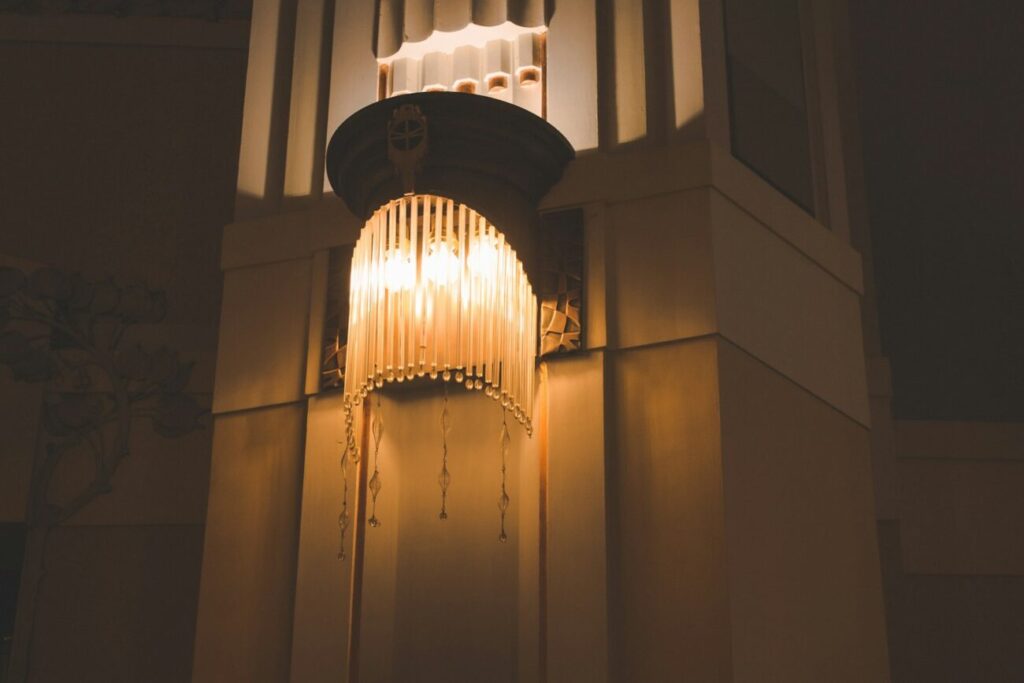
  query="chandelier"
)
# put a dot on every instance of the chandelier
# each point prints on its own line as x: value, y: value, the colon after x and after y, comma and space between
x: 436, y: 292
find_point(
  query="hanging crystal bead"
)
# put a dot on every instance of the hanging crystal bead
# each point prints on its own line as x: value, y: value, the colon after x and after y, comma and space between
x: 504, y: 441
x: 343, y: 515
x: 444, y: 478
x: 377, y: 428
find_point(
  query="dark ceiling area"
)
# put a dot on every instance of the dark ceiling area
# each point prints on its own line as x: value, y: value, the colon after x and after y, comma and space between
x: 942, y: 104
x: 211, y: 10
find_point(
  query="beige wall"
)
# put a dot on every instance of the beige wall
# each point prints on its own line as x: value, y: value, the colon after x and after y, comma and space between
x: 576, y: 603
x: 802, y: 551
x: 323, y: 584
x: 243, y: 626
x: 668, y: 589
x: 453, y: 599
x: 732, y: 547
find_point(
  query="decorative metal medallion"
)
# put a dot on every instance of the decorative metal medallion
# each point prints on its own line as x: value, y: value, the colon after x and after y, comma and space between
x: 407, y: 143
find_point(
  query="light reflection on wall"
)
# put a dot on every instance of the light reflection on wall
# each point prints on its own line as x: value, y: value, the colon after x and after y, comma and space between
x: 444, y: 596
x: 630, y: 86
x: 254, y: 160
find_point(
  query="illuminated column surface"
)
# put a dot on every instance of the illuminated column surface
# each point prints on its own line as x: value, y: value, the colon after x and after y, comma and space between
x: 695, y: 500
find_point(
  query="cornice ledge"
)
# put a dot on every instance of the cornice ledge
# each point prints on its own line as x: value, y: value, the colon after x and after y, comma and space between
x: 638, y: 172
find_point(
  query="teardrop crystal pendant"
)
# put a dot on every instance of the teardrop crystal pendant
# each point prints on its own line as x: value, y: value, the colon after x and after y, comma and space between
x: 444, y: 478
x: 343, y: 515
x: 375, y: 483
x: 374, y: 490
x: 504, y: 441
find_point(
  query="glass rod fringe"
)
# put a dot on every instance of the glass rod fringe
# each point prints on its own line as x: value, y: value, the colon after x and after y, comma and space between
x: 437, y: 291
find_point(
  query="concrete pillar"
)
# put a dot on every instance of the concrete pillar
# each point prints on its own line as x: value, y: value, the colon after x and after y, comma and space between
x: 261, y: 158
x: 741, y: 541
x: 247, y: 594
x: 244, y: 622
x: 698, y: 504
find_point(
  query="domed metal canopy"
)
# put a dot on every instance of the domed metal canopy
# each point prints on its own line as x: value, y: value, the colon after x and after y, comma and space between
x: 497, y: 157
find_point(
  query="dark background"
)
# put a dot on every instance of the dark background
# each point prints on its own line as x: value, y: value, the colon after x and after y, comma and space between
x: 942, y: 101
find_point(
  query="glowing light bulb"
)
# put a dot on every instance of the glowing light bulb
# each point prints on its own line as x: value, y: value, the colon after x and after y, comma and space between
x: 441, y: 265
x: 436, y: 290
x: 399, y: 272
x: 483, y: 260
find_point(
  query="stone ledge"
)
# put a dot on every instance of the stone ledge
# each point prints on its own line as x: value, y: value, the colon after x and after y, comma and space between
x: 622, y: 176
x: 289, y: 235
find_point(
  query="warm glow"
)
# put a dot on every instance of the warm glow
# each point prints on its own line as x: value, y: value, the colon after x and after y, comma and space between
x: 441, y: 265
x: 473, y: 35
x: 436, y: 291
x: 630, y: 91
x: 484, y: 259
x: 399, y: 272
x: 505, y: 62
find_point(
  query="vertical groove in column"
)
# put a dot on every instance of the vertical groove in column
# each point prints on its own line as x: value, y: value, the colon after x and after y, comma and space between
x: 261, y: 166
x: 308, y: 99
x: 613, y: 535
x: 542, y: 554
x: 657, y: 68
x: 358, y: 546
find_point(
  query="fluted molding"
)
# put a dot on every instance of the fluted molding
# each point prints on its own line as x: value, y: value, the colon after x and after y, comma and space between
x: 411, y: 21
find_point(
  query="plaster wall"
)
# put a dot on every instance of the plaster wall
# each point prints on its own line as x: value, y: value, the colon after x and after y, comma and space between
x: 425, y: 582
x: 263, y: 326
x: 689, y: 270
x: 246, y: 597
x: 802, y: 550
x: 668, y: 586
x: 323, y: 585
x: 576, y: 573
x: 452, y: 602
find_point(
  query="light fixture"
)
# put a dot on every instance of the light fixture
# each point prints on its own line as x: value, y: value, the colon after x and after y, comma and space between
x: 438, y: 293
